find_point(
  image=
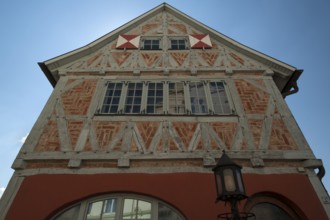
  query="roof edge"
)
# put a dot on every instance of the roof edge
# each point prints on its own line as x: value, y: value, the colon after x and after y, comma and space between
x: 47, y: 73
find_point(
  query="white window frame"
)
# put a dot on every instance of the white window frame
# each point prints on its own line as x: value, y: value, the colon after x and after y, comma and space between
x: 143, y: 39
x: 185, y: 39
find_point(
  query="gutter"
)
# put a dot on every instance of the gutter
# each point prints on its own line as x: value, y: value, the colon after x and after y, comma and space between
x: 291, y: 86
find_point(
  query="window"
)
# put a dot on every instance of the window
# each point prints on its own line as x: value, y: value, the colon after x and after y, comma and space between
x: 272, y: 206
x: 151, y: 43
x: 155, y: 98
x: 269, y: 211
x: 136, y: 209
x: 166, y: 97
x: 179, y: 44
x: 197, y: 97
x: 176, y: 98
x: 134, y: 98
x: 112, y: 97
x: 120, y: 207
x: 104, y: 209
x: 219, y: 98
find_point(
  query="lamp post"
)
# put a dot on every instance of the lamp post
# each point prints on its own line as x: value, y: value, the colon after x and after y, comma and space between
x: 230, y: 187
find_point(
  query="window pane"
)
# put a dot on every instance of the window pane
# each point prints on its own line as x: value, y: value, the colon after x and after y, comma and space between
x: 150, y: 109
x: 94, y: 210
x: 178, y: 44
x: 131, y: 86
x: 176, y: 98
x: 136, y: 108
x: 113, y: 109
x: 105, y: 109
x: 144, y: 209
x: 219, y: 98
x: 197, y: 97
x: 115, y: 101
x: 137, y: 101
x: 109, y: 209
x: 128, y: 109
x: 129, y: 100
x: 151, y: 44
x: 151, y: 100
x: 70, y: 214
x: 138, y: 93
x: 139, y: 86
x: 165, y: 213
x: 136, y: 209
x: 134, y: 97
x: 107, y: 100
x: 130, y: 93
x: 117, y: 93
x: 269, y: 211
x: 155, y: 44
x: 109, y: 92
x: 111, y: 99
x: 155, y: 98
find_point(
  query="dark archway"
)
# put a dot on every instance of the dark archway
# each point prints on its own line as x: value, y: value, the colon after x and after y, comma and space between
x: 272, y: 206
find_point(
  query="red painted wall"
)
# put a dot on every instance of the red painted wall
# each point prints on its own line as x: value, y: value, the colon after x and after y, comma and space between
x: 41, y: 196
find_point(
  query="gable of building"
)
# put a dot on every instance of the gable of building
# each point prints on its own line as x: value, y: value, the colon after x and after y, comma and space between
x: 122, y: 50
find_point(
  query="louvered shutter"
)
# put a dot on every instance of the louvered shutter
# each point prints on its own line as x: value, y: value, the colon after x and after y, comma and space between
x: 199, y: 41
x: 128, y: 42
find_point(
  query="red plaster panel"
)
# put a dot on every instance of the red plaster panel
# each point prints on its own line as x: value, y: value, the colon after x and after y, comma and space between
x: 49, y: 139
x: 226, y: 131
x: 185, y: 131
x: 172, y: 145
x: 180, y: 27
x: 150, y: 58
x: 255, y: 127
x: 133, y: 147
x: 254, y: 100
x: 147, y: 131
x: 281, y: 138
x: 237, y: 58
x: 148, y: 27
x: 76, y: 101
x: 74, y: 129
x: 179, y: 57
x: 106, y: 131
x: 91, y: 60
x: 209, y: 57
x: 120, y: 57
x: 193, y: 194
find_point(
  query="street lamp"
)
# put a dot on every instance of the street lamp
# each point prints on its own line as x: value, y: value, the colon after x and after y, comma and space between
x: 230, y: 187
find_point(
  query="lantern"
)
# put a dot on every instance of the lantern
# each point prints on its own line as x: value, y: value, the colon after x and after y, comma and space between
x: 228, y: 179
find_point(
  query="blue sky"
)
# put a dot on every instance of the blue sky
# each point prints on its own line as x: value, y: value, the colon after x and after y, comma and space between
x: 295, y: 32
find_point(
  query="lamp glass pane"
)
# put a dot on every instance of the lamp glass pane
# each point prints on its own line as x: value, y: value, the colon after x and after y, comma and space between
x: 229, y: 180
x: 240, y: 182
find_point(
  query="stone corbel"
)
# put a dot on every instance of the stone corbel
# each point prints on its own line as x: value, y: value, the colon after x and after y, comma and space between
x: 123, y: 162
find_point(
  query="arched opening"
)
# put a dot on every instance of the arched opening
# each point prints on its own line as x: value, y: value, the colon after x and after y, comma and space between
x: 119, y: 207
x: 273, y: 207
